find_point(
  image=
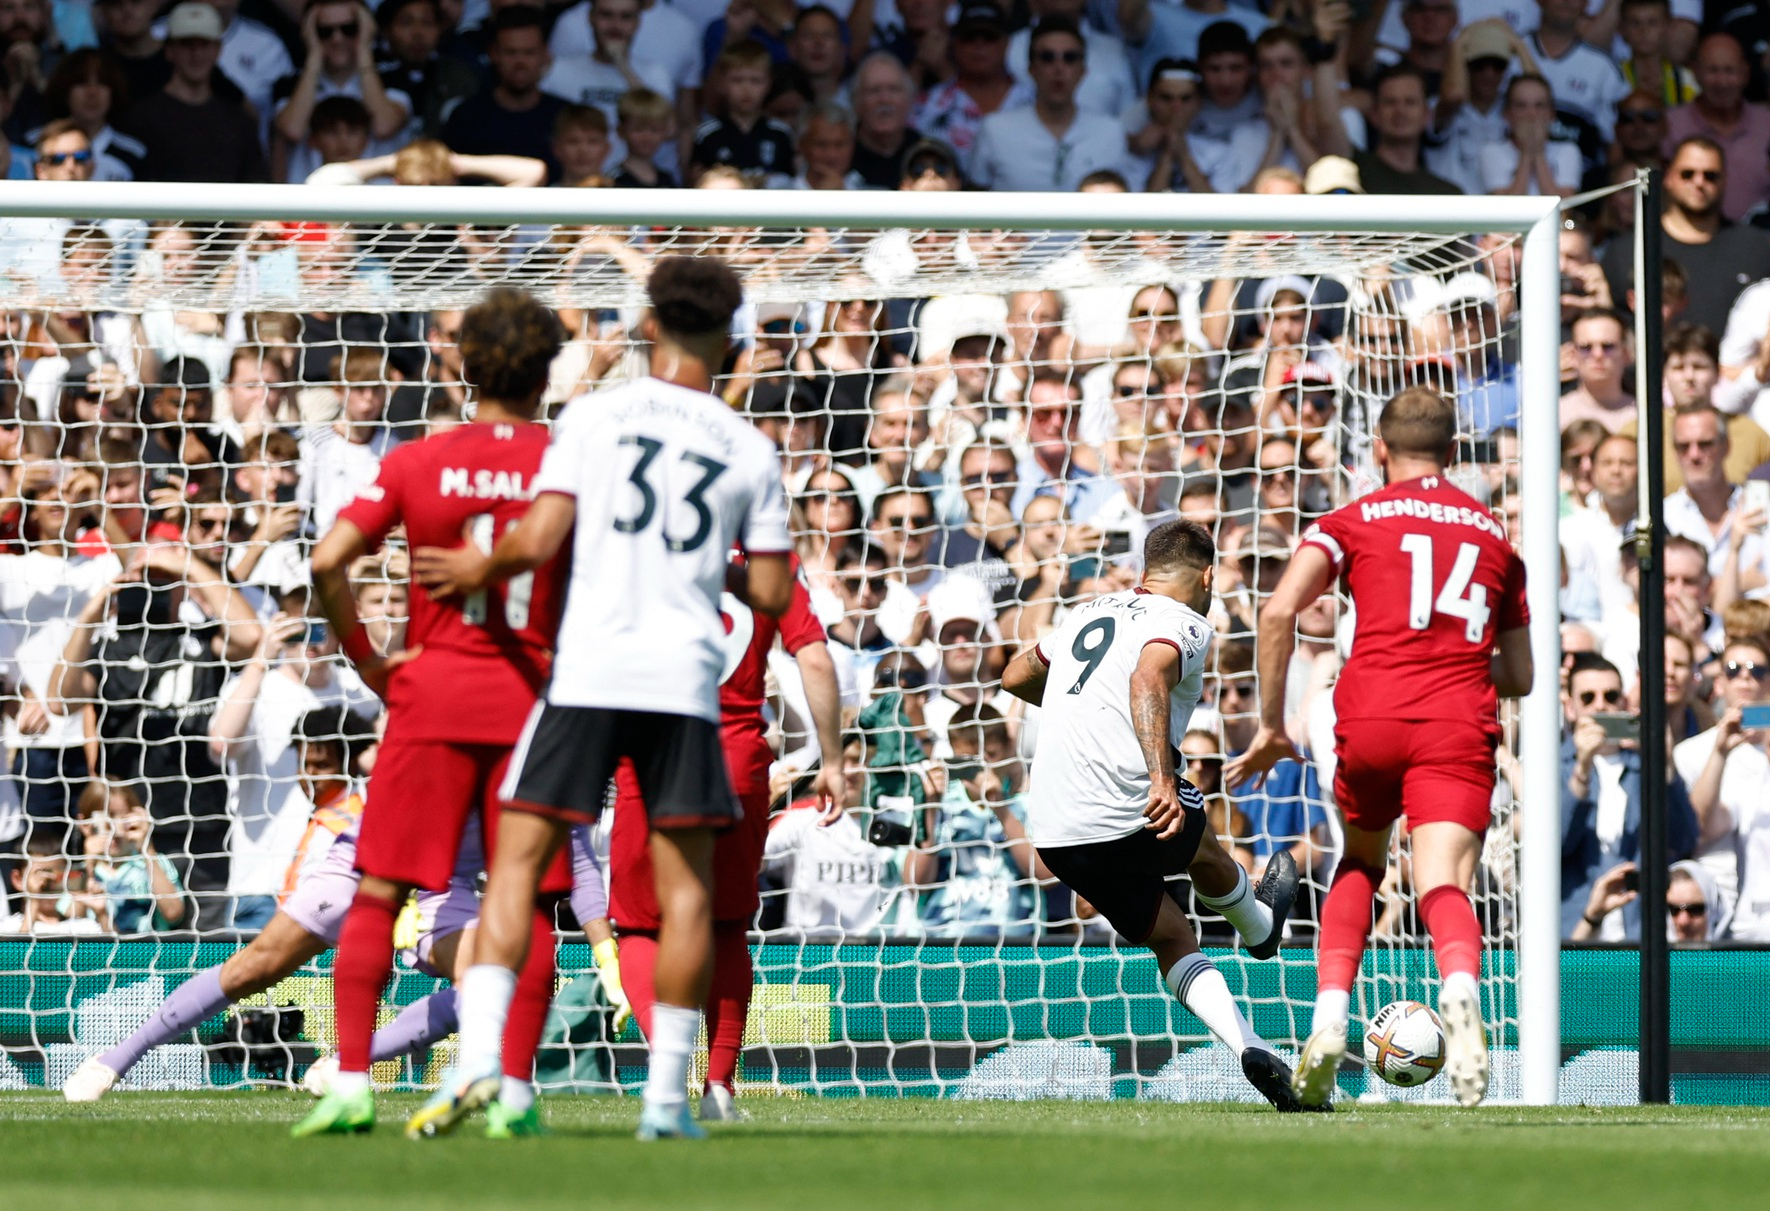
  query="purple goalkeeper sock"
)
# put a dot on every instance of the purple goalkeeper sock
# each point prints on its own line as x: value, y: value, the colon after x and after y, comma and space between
x: 191, y: 1004
x: 418, y: 1025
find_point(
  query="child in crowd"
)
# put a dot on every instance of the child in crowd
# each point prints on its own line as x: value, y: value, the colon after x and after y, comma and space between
x: 338, y: 131
x: 744, y: 138
x: 42, y: 887
x: 644, y: 122
x: 580, y: 145
x: 129, y: 887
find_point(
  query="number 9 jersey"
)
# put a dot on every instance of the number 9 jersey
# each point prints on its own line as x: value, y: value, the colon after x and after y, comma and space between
x: 1089, y: 779
x: 486, y: 657
x: 1434, y: 582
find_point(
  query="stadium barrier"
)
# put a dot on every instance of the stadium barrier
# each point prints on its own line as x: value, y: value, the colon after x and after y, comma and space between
x: 905, y: 1019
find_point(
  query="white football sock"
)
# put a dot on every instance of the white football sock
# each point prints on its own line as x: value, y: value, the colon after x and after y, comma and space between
x: 1252, y: 919
x: 486, y: 993
x: 349, y: 1083
x: 516, y: 1095
x: 1333, y: 1007
x: 1460, y: 981
x: 1202, y: 989
x: 673, y: 1031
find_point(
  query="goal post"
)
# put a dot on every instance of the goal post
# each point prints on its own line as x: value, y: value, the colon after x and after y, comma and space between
x: 813, y: 260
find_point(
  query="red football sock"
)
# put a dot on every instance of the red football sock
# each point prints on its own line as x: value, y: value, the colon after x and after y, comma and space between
x: 728, y: 1002
x: 528, y: 1009
x: 359, y: 974
x: 1345, y: 925
x: 1456, y: 934
x: 639, y: 958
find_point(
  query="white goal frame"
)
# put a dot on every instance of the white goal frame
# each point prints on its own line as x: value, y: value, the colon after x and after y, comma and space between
x: 1535, y: 220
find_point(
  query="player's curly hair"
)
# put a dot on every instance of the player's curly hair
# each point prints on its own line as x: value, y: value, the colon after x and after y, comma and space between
x: 508, y: 343
x: 693, y: 296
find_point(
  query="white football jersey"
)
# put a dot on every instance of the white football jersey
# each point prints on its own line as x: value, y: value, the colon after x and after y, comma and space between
x: 1089, y: 779
x: 666, y: 480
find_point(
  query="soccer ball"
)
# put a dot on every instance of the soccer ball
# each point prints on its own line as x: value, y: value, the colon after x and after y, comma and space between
x: 1405, y: 1044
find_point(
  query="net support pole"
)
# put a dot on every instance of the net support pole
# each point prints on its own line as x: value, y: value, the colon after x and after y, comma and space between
x: 1539, y: 892
x: 1656, y: 999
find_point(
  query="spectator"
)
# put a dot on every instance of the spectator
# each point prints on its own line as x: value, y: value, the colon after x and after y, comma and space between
x: 1430, y: 47
x: 41, y: 887
x: 1604, y: 355
x: 1693, y: 905
x: 612, y: 67
x: 979, y: 865
x: 1177, y: 31
x: 253, y: 57
x: 340, y: 62
x: 1723, y: 258
x: 127, y: 38
x: 88, y: 89
x: 1601, y: 804
x: 826, y: 526
x: 826, y: 150
x: 1527, y: 160
x: 1592, y: 535
x: 899, y: 425
x: 1057, y: 461
x: 162, y: 122
x: 434, y: 83
x: 341, y: 457
x: 337, y: 134
x: 1721, y: 114
x: 1744, y: 355
x: 744, y: 138
x: 962, y: 624
x: 1692, y: 377
x: 1110, y: 86
x: 580, y: 145
x: 767, y: 23
x: 1728, y: 772
x: 1643, y: 26
x: 1686, y: 710
x: 513, y: 116
x: 130, y: 888
x: 980, y: 85
x: 1640, y: 133
x: 1708, y: 509
x: 1162, y: 152
x: 1469, y: 116
x: 668, y: 34
x: 294, y: 670
x: 1226, y: 67
x: 904, y: 528
x: 1394, y: 163
x: 816, y: 45
x: 857, y: 642
x: 643, y: 124
x: 883, y: 136
x: 1202, y: 759
x: 1584, y: 80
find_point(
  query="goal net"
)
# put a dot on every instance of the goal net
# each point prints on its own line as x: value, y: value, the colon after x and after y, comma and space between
x: 982, y: 405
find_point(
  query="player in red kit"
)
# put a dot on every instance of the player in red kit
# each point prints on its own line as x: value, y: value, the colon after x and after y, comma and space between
x: 737, y: 853
x: 1440, y: 637
x: 457, y: 696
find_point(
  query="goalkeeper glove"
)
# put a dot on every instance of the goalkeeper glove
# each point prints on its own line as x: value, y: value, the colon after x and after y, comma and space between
x: 608, y: 964
x: 405, y: 926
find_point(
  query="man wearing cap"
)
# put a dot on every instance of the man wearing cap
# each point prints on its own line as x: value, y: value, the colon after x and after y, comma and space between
x: 1050, y: 145
x: 1109, y: 86
x: 167, y: 122
x: 1171, y: 31
x: 1487, y: 384
x: 1469, y: 113
x: 962, y: 623
x: 981, y: 83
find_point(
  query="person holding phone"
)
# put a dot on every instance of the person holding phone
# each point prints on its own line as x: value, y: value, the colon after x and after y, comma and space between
x: 1728, y: 769
x: 1601, y: 805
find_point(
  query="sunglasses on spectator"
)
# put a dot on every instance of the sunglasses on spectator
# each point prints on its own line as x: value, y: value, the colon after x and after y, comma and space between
x: 1158, y: 316
x: 63, y: 157
x: 860, y: 584
x: 1734, y: 668
x: 821, y: 496
x: 1704, y: 443
x: 348, y: 29
x: 1611, y: 697
x: 1627, y: 117
x: 1193, y: 759
x: 1070, y: 57
x: 1127, y: 390
x: 1711, y: 175
x: 906, y: 521
x: 1696, y: 908
x: 208, y: 523
x: 1239, y: 688
x: 992, y: 478
x: 1592, y: 348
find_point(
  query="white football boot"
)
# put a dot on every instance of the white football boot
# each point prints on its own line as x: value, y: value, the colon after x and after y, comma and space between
x: 91, y: 1081
x: 719, y: 1106
x: 318, y: 1078
x: 1465, y: 1043
x: 1318, y: 1068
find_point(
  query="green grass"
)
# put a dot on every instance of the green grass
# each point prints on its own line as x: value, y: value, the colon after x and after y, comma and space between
x: 231, y: 1152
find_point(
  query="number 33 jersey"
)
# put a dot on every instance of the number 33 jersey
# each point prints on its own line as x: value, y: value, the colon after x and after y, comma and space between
x: 666, y: 480
x: 485, y: 657
x: 1433, y: 581
x: 1090, y: 781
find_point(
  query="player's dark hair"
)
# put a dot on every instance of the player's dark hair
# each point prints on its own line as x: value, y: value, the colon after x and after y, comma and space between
x: 508, y: 343
x: 1178, y: 544
x: 693, y: 296
x: 1588, y: 662
x: 1419, y: 422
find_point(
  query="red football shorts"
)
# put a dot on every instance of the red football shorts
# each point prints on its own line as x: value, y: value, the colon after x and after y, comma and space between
x: 421, y: 796
x: 737, y: 860
x: 1433, y: 771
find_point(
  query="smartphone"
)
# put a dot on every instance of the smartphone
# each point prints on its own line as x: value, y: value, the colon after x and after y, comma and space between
x: 1757, y: 495
x: 1118, y: 542
x: 316, y: 635
x: 1618, y: 725
x: 966, y: 771
x: 285, y: 494
x: 1755, y: 716
x: 1632, y: 880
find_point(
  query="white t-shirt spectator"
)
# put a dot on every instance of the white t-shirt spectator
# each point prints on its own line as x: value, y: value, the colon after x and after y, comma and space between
x: 334, y: 470
x: 1109, y: 84
x: 1747, y: 324
x: 40, y: 597
x: 1684, y: 519
x: 252, y: 57
x: 1499, y: 164
x: 1457, y: 155
x: 1586, y: 82
x: 1211, y: 155
x: 1745, y: 806
x: 837, y: 881
x: 303, y: 159
x: 1016, y: 152
x: 666, y: 37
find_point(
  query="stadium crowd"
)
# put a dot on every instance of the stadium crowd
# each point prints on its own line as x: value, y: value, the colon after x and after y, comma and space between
x: 962, y: 468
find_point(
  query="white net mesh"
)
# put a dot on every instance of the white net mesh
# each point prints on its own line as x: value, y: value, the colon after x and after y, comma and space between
x: 976, y: 428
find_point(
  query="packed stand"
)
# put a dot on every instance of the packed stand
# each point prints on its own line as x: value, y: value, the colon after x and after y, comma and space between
x: 187, y: 407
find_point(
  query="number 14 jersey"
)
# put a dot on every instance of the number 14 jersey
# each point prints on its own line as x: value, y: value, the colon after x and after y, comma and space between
x: 1434, y: 582
x: 666, y: 480
x: 1090, y: 781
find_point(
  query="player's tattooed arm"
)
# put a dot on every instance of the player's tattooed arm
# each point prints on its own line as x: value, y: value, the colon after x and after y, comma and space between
x: 1025, y: 676
x: 1158, y: 671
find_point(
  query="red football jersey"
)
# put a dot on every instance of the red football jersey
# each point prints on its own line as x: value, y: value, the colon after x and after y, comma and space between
x: 1434, y: 581
x: 737, y: 853
x: 486, y: 658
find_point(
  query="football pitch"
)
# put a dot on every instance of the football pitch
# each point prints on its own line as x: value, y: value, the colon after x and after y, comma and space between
x: 193, y: 1152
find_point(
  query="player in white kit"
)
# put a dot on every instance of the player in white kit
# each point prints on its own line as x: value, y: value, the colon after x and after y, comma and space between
x: 1108, y: 812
